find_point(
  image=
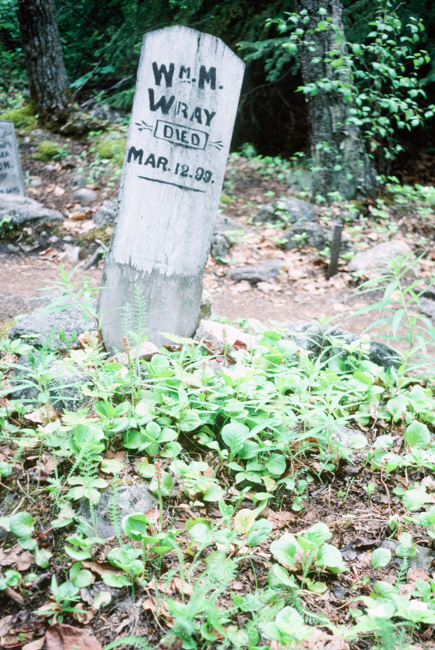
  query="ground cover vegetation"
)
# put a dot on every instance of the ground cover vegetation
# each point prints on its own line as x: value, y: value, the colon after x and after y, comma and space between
x: 268, y: 527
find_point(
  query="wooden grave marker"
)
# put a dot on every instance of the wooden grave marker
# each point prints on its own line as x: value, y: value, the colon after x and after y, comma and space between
x: 11, y: 174
x: 187, y: 91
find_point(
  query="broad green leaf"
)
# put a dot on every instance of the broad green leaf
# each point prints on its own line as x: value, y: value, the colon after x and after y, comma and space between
x: 259, y: 532
x: 234, y: 435
x: 279, y: 576
x: 276, y: 464
x: 417, y: 435
x: 21, y: 524
x: 80, y: 578
x: 315, y: 536
x: 244, y: 520
x: 415, y: 498
x: 5, y: 469
x: 102, y: 598
x: 42, y: 557
x: 201, y: 534
x: 111, y: 466
x: 330, y: 557
x: 381, y: 557
x: 290, y: 622
x: 284, y: 549
x: 190, y: 421
x: 135, y: 526
x: 115, y: 580
x: 213, y: 493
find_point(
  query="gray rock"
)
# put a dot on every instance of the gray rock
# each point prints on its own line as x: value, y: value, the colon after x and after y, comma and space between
x: 375, y: 259
x: 36, y: 182
x: 206, y: 306
x: 313, y: 234
x: 286, y: 209
x: 132, y: 499
x: 305, y: 234
x: 20, y: 209
x: 428, y: 307
x: 64, y: 387
x: 220, y: 246
x: 84, y: 195
x: 300, y: 179
x: 224, y: 233
x: 257, y: 272
x: 106, y: 214
x: 78, y: 180
x: 312, y: 338
x: 71, y: 253
x: 226, y: 224
x: 423, y: 559
x: 42, y: 328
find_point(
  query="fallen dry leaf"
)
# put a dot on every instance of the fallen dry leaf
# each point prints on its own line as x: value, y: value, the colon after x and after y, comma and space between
x: 100, y: 567
x: 34, y: 645
x: 281, y: 519
x: 67, y: 637
x: 162, y: 610
x: 48, y: 254
x: 16, y: 555
x: 78, y: 216
x: 58, y: 191
x: 82, y: 615
x: 5, y: 624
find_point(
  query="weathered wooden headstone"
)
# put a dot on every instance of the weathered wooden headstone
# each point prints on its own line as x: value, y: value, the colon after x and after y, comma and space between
x: 11, y: 175
x: 187, y: 92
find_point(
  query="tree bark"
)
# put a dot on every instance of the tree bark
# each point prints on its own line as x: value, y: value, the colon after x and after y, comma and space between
x: 48, y: 82
x: 340, y: 161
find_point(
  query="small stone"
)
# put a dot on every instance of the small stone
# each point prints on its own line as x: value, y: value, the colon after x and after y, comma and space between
x: 226, y: 224
x: 220, y: 335
x: 71, y: 253
x: 84, y: 195
x: 145, y: 351
x: 106, y: 214
x: 20, y: 209
x: 53, y: 239
x: 428, y: 307
x: 78, y: 180
x: 220, y: 246
x: 375, y: 260
x: 257, y: 272
x: 206, y: 306
x: 35, y: 182
x: 287, y: 209
x: 131, y: 499
x: 67, y: 238
x: 13, y: 249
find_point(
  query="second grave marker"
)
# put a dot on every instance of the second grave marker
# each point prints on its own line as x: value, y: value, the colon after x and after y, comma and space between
x: 187, y: 92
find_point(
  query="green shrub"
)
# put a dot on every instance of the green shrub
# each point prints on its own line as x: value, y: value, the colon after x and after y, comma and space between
x: 48, y: 150
x: 23, y: 117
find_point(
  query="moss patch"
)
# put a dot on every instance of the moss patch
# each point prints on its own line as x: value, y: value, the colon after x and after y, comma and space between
x: 48, y: 150
x: 23, y: 117
x: 112, y: 148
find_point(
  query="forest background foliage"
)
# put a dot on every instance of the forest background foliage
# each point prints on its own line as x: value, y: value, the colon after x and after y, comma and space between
x: 102, y: 42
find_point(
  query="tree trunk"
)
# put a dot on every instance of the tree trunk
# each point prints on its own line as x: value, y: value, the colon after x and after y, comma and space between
x: 340, y: 161
x: 48, y: 83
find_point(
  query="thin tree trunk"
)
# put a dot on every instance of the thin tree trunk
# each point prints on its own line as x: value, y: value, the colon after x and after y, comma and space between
x: 340, y: 161
x: 48, y: 82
